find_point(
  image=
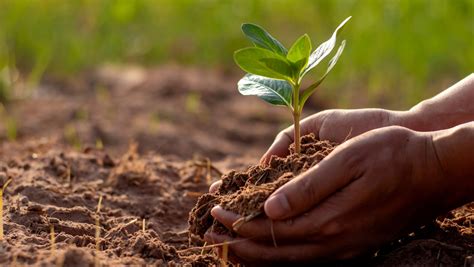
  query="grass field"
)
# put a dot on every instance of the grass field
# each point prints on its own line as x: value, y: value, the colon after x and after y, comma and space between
x: 398, y: 51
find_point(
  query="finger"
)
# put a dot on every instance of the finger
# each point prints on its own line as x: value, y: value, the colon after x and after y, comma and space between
x: 215, y: 186
x: 260, y: 228
x: 266, y: 252
x: 313, y: 226
x: 312, y: 187
x: 227, y: 218
x: 280, y: 145
x: 285, y: 138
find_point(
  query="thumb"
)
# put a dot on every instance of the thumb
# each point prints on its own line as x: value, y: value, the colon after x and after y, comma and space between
x: 285, y: 138
x: 312, y: 187
x: 280, y: 145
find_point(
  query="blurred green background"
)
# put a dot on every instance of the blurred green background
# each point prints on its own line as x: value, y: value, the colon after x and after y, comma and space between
x: 398, y: 51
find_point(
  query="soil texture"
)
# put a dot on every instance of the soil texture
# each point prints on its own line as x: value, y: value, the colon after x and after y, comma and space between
x: 148, y: 143
x: 145, y: 200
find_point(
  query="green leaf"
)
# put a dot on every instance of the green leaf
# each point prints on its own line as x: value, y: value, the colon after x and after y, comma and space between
x: 334, y: 60
x: 299, y: 52
x: 261, y: 38
x: 324, y: 49
x: 278, y: 65
x: 310, y: 90
x: 273, y: 91
x: 263, y: 62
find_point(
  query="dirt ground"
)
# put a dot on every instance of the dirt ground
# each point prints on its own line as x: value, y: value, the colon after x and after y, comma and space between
x: 148, y: 143
x: 153, y: 107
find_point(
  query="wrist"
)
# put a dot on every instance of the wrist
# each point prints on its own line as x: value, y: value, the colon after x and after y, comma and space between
x: 428, y: 116
x: 453, y: 148
x: 420, y: 119
x: 407, y: 119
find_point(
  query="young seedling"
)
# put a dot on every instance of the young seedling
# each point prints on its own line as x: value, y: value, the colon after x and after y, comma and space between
x: 275, y: 73
x: 1, y: 207
x: 97, y: 232
x: 11, y: 125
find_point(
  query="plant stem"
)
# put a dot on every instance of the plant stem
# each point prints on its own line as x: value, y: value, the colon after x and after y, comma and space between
x: 296, y: 117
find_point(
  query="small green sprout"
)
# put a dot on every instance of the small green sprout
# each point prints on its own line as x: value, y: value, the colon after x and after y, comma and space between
x: 2, y: 189
x: 275, y: 73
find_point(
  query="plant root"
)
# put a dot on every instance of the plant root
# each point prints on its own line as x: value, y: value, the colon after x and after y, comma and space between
x: 237, y: 224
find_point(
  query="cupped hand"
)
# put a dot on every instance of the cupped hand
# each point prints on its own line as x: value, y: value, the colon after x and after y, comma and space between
x: 336, y: 125
x: 368, y: 191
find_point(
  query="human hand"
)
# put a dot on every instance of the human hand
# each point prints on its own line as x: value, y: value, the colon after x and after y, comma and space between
x: 368, y: 191
x: 336, y: 125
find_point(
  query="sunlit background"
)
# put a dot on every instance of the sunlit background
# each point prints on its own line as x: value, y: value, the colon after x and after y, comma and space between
x: 398, y: 51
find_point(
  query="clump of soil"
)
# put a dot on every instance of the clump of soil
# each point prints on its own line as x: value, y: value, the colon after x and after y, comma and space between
x: 245, y: 192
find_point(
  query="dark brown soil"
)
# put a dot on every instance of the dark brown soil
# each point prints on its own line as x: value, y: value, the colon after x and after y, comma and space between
x: 145, y: 205
x: 245, y: 192
x: 180, y: 118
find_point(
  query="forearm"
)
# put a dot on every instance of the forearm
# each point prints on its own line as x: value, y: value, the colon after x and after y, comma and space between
x: 451, y: 107
x: 455, y: 151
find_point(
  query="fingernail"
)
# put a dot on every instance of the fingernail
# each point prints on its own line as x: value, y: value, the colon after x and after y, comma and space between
x: 277, y: 206
x: 215, y: 210
x: 215, y: 186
